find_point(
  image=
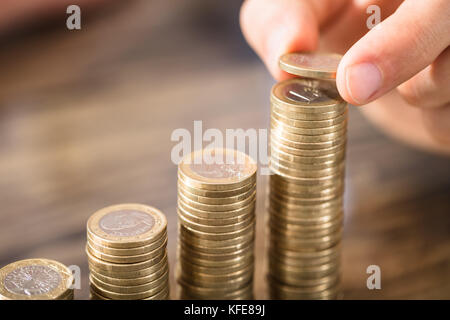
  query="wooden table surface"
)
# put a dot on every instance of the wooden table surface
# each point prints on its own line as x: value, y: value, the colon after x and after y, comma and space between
x: 86, y: 118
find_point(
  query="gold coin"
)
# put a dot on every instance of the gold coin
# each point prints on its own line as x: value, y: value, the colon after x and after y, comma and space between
x: 305, y: 219
x: 303, y: 138
x: 131, y: 275
x: 311, y: 65
x: 215, y: 221
x: 299, y: 205
x: 338, y: 141
x: 308, y: 160
x: 186, y: 271
x: 127, y: 259
x: 218, y: 207
x: 126, y: 225
x: 217, y: 214
x: 300, y: 216
x: 288, y: 129
x: 312, y: 181
x: 309, y: 254
x: 286, y: 222
x: 124, y: 267
x: 309, y: 285
x: 293, y: 294
x: 95, y: 296
x: 277, y: 146
x: 214, y: 293
x: 305, y: 234
x: 307, y: 112
x: 296, y: 119
x: 278, y: 257
x: 285, y: 198
x: 300, y: 263
x: 217, y: 169
x: 298, y: 185
x: 308, y: 191
x: 276, y: 294
x: 304, y: 167
x: 35, y: 279
x: 220, y: 236
x: 151, y: 287
x: 320, y: 243
x: 198, y: 242
x: 306, y: 95
x: 215, y: 194
x: 304, y: 185
x: 305, y: 272
x: 240, y: 265
x: 162, y: 294
x: 130, y: 251
x: 296, y: 208
x: 302, y: 173
x: 326, y: 295
x: 282, y: 225
x: 133, y: 281
x: 214, y: 250
x: 216, y: 263
x: 216, y: 256
x: 294, y: 116
x: 303, y: 198
x: 184, y: 220
x: 309, y: 124
x: 186, y: 291
x: 69, y: 296
x: 215, y: 229
x: 231, y: 284
x: 216, y: 201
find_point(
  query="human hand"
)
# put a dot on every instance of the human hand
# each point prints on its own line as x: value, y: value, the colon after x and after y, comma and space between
x: 409, y: 51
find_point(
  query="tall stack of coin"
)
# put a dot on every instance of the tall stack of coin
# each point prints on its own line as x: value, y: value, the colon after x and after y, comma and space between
x: 216, y: 211
x: 126, y: 248
x: 308, y: 139
x: 36, y: 279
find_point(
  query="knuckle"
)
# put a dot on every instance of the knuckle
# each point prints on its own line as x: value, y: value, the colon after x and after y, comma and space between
x: 411, y: 95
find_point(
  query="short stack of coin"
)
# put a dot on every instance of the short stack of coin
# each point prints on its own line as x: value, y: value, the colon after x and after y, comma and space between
x: 126, y: 248
x: 216, y: 211
x: 308, y: 140
x: 36, y: 279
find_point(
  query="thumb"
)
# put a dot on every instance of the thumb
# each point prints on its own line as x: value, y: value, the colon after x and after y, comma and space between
x: 394, y: 51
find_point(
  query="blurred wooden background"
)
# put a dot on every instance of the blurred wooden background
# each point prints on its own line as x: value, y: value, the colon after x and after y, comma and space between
x: 86, y: 118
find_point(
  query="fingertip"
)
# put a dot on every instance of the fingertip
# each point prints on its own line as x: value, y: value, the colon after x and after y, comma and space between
x: 275, y: 28
x: 341, y: 82
x: 358, y: 83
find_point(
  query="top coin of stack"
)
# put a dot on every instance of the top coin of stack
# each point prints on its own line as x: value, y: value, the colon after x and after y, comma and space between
x: 308, y: 139
x: 36, y: 279
x: 216, y: 211
x: 126, y: 248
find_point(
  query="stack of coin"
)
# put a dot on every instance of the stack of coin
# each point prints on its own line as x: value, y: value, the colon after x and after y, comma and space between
x: 126, y: 248
x: 36, y: 279
x: 216, y: 211
x: 308, y: 139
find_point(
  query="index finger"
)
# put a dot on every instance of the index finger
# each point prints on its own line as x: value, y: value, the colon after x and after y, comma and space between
x: 273, y: 28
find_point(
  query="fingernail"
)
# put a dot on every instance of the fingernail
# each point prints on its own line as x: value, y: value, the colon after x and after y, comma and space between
x: 363, y: 80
